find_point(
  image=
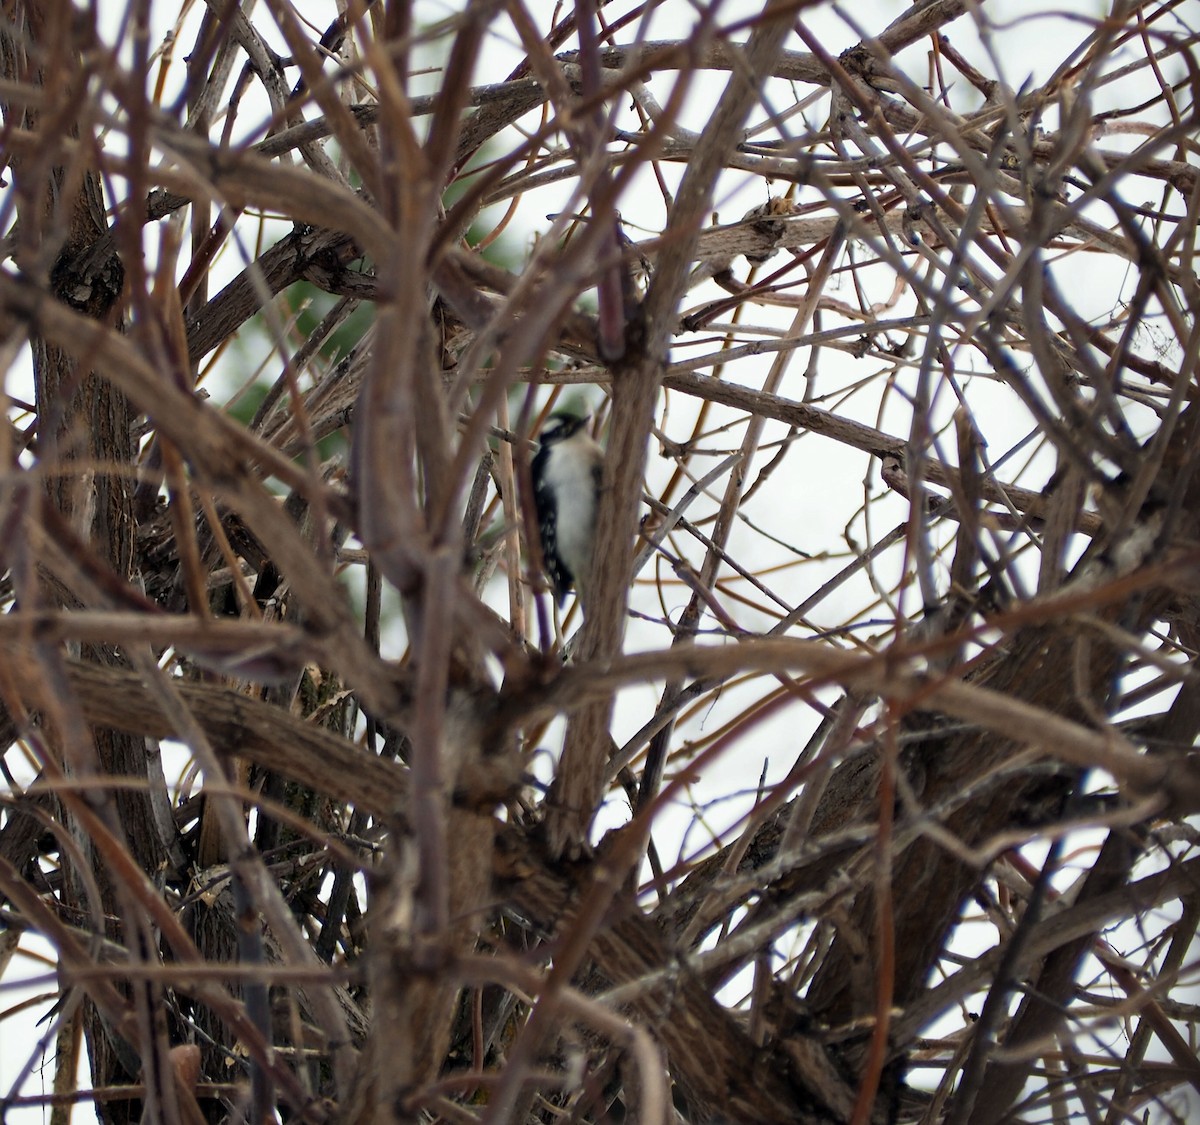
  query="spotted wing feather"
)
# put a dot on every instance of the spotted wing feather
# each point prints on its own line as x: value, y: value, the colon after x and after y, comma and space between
x: 561, y: 579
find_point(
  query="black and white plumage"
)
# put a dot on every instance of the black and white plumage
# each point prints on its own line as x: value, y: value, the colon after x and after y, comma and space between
x: 566, y: 488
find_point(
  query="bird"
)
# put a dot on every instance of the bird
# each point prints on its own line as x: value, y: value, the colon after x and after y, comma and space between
x: 566, y: 490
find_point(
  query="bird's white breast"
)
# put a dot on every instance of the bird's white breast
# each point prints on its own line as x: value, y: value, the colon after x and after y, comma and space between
x: 570, y: 475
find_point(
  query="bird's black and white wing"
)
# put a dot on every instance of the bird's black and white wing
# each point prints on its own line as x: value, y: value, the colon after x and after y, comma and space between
x: 546, y: 502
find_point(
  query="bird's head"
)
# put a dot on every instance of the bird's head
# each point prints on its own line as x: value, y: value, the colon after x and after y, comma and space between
x: 561, y: 425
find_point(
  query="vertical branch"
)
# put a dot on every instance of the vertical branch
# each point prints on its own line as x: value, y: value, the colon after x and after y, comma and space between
x: 575, y: 794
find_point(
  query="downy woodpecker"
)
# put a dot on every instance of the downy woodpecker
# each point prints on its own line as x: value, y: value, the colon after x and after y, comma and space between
x: 566, y: 487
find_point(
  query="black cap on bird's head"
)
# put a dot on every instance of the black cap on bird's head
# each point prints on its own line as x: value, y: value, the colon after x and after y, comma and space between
x: 561, y: 425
